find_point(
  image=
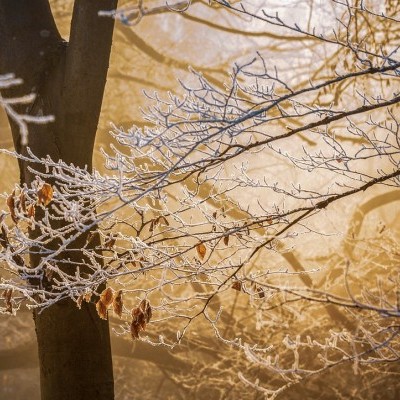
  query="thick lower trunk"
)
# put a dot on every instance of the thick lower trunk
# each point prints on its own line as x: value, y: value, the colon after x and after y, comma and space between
x: 74, y: 353
x: 74, y: 345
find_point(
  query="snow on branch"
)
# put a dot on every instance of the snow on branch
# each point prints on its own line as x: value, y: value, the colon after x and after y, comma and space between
x: 9, y: 104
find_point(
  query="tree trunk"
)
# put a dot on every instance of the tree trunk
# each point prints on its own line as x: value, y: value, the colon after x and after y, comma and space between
x: 68, y: 79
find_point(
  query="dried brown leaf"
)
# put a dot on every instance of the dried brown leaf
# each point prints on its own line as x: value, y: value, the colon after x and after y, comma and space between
x: 146, y: 309
x: 45, y: 194
x: 87, y: 297
x: 101, y: 310
x: 30, y: 211
x: 22, y: 201
x: 261, y: 293
x: 3, y: 237
x: 201, y: 250
x: 152, y: 225
x: 135, y: 328
x: 237, y: 285
x: 140, y: 318
x: 107, y: 296
x: 226, y: 240
x: 2, y: 217
x: 118, y: 304
x: 11, y: 206
x: 7, y: 298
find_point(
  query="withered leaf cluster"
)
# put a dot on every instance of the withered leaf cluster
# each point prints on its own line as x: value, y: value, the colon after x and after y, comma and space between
x: 18, y: 204
x: 141, y: 316
x: 107, y: 298
x: 21, y: 204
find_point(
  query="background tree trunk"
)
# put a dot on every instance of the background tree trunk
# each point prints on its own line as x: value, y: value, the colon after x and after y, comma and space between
x: 68, y: 79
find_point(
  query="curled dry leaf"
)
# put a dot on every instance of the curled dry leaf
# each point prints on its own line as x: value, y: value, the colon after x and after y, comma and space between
x: 118, y: 304
x: 135, y: 329
x: 261, y: 293
x: 106, y: 296
x: 153, y: 224
x: 146, y: 309
x: 140, y: 318
x: 3, y: 236
x: 237, y: 285
x: 45, y: 194
x: 30, y: 211
x: 7, y: 298
x: 2, y: 217
x: 22, y: 201
x: 11, y: 206
x: 201, y: 250
x: 226, y: 240
x: 101, y: 310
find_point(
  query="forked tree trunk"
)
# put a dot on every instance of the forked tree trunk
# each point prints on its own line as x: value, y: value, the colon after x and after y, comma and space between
x: 69, y: 79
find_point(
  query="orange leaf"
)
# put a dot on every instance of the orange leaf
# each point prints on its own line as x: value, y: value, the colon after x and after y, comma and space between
x: 30, y: 211
x: 45, y: 194
x: 118, y: 304
x: 106, y: 296
x: 101, y: 310
x: 201, y: 250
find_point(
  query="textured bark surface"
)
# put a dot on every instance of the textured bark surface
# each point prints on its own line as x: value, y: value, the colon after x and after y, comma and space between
x: 68, y: 79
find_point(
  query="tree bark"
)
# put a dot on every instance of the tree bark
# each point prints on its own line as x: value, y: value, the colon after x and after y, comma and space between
x: 68, y: 80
